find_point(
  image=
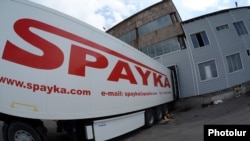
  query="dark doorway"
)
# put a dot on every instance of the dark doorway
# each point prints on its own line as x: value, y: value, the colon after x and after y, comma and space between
x: 175, y: 81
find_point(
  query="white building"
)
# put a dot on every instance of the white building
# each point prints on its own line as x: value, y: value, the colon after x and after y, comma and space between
x: 218, y: 52
x: 216, y: 55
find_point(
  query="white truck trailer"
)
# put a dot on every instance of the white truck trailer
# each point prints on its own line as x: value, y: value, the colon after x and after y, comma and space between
x: 55, y: 67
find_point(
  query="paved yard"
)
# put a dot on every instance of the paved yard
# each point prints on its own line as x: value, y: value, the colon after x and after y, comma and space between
x: 187, y: 125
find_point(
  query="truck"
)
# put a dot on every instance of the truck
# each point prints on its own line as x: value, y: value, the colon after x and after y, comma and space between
x: 57, y: 68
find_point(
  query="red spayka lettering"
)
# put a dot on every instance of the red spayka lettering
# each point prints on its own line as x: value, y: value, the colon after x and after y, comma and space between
x: 78, y: 56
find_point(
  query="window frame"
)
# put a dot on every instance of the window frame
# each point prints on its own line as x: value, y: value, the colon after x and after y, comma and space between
x: 154, y: 25
x: 129, y: 36
x: 240, y: 28
x: 234, y: 62
x: 205, y: 77
x: 162, y: 47
x: 222, y: 27
x: 199, y: 39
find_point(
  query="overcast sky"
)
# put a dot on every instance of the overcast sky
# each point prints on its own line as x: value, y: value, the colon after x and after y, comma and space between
x: 107, y: 13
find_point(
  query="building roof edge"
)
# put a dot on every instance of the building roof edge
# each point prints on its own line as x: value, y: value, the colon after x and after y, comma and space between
x: 213, y: 13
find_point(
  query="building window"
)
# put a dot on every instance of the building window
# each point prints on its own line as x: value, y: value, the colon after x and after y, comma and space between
x: 173, y: 17
x: 222, y: 27
x: 199, y: 39
x: 161, y: 48
x: 234, y: 62
x: 152, y: 52
x: 128, y: 37
x: 182, y: 42
x: 240, y: 28
x: 154, y: 25
x: 207, y: 70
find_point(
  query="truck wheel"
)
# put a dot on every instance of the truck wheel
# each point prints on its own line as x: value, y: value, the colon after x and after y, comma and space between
x: 22, y: 132
x: 149, y: 118
x: 4, y: 132
x: 158, y: 113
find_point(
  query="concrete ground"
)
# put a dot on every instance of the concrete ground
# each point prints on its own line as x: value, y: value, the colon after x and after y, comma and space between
x: 187, y: 124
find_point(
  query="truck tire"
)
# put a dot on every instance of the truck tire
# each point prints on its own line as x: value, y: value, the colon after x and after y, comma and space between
x: 4, y: 132
x: 158, y: 113
x: 19, y: 131
x: 149, y: 118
